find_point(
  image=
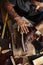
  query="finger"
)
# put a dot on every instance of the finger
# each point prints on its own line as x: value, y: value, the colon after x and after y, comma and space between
x: 26, y: 29
x: 22, y: 29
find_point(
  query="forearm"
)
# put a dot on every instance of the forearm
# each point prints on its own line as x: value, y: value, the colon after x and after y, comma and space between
x: 11, y: 11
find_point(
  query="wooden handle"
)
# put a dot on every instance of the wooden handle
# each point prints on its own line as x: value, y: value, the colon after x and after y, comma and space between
x: 4, y: 26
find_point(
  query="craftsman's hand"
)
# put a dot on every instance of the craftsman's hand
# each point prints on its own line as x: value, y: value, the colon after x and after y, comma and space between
x: 23, y: 25
x: 39, y: 5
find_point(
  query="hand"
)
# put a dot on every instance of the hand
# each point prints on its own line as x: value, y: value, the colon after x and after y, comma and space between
x: 23, y: 25
x: 39, y: 5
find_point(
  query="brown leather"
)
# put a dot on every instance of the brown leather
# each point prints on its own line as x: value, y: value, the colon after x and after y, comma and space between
x: 5, y: 56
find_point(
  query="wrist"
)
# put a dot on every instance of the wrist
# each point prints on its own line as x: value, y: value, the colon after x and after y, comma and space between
x: 17, y: 18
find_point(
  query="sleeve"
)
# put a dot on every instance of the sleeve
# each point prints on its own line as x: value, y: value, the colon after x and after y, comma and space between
x: 13, y: 2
